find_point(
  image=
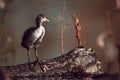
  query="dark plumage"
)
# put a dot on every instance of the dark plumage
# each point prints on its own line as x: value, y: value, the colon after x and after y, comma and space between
x: 33, y: 36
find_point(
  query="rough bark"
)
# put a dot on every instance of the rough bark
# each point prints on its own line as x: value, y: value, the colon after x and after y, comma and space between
x: 77, y: 60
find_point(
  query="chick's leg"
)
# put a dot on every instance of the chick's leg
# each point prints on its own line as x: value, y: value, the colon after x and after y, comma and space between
x: 36, y: 55
x: 28, y: 54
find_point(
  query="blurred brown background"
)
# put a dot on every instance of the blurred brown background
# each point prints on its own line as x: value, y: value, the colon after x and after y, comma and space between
x: 97, y: 19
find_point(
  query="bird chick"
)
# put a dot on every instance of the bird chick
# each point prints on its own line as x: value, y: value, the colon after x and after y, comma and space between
x: 33, y: 36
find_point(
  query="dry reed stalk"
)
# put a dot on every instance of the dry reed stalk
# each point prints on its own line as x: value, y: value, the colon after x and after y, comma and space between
x: 62, y: 28
x: 78, y: 29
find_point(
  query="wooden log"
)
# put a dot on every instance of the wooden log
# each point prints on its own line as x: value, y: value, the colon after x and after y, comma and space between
x: 78, y: 59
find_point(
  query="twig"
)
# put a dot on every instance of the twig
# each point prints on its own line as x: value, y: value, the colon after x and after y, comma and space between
x: 62, y: 28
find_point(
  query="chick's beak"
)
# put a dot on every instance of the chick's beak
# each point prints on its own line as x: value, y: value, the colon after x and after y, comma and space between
x: 47, y: 20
